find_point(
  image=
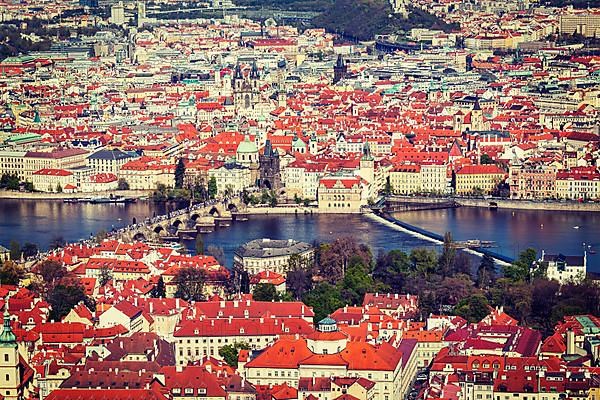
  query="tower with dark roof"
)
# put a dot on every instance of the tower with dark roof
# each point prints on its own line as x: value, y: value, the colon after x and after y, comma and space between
x: 340, y: 69
x: 270, y: 170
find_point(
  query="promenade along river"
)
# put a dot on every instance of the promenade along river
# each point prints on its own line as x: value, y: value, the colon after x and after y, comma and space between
x: 40, y: 221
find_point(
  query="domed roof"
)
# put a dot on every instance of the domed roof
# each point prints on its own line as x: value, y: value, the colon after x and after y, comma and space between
x: 247, y: 146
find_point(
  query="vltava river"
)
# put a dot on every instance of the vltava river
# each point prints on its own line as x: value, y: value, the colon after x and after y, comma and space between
x: 41, y: 221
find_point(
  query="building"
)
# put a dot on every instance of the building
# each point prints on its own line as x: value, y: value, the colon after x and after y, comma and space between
x: 271, y: 255
x: 231, y: 178
x: 330, y: 353
x: 563, y: 268
x: 578, y: 183
x: 109, y: 161
x: 532, y: 181
x: 269, y: 167
x: 582, y: 22
x: 197, y: 339
x: 340, y: 69
x: 25, y: 163
x: 478, y: 179
x: 53, y: 180
x: 146, y: 173
x: 406, y: 179
x: 15, y: 374
x: 117, y: 14
x: 341, y: 194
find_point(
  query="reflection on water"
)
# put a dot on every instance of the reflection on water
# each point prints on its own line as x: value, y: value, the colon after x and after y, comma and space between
x: 513, y: 231
x: 516, y: 230
x: 41, y: 221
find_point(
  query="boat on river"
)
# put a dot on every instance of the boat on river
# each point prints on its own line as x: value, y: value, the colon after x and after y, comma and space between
x: 474, y: 244
x: 111, y: 200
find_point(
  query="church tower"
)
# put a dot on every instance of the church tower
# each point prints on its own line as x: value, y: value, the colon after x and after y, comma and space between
x: 246, y: 89
x: 367, y: 169
x: 339, y: 70
x: 10, y: 378
x: 270, y: 170
x: 477, y: 123
x: 313, y: 144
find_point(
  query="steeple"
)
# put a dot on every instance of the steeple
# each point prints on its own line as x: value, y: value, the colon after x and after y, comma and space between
x: 254, y: 71
x: 7, y: 337
x: 367, y: 152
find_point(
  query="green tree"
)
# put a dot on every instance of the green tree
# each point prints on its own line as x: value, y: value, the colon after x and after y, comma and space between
x: 57, y: 242
x: 474, y: 308
x: 28, y: 186
x: 190, y: 284
x: 324, y: 299
x: 485, y: 159
x: 519, y: 270
x: 122, y: 184
x: 272, y: 199
x: 230, y: 352
x: 15, y: 250
x: 179, y: 174
x: 217, y: 252
x: 199, y: 244
x: 446, y: 259
x: 63, y: 298
x: 212, y: 187
x: 265, y: 292
x: 388, y: 186
x: 486, y: 272
x: 391, y: 269
x: 11, y: 273
x: 29, y: 249
x: 159, y: 290
x: 356, y: 282
x: 424, y: 261
x: 101, y: 235
x: 105, y: 276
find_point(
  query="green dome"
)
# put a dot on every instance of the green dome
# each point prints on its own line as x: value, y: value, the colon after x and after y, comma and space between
x: 247, y: 146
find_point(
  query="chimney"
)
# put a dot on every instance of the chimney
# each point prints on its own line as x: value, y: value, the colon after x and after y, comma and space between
x: 151, y: 306
x: 177, y: 303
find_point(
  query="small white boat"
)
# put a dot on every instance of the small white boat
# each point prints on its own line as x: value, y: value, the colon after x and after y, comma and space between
x: 576, y: 227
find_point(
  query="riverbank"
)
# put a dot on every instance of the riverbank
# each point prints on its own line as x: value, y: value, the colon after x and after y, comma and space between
x: 531, y: 205
x: 507, y: 203
x: 283, y: 210
x: 11, y: 194
x: 432, y: 237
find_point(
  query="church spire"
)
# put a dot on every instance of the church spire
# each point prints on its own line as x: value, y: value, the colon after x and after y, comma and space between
x: 7, y: 337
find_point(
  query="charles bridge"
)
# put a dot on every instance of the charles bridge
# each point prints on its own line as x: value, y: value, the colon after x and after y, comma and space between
x: 185, y: 223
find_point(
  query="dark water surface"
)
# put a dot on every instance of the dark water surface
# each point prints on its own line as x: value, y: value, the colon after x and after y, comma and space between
x: 41, y: 221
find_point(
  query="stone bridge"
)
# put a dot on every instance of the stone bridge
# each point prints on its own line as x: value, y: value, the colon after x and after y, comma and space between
x: 186, y: 222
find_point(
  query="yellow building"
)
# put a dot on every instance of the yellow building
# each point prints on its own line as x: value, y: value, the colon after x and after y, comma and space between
x: 478, y: 179
x: 406, y: 179
x: 340, y: 194
x: 578, y: 183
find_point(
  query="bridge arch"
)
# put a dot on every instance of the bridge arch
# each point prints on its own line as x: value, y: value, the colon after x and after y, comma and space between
x: 215, y: 211
x: 158, y: 229
x: 232, y: 207
x: 178, y: 223
x: 139, y: 237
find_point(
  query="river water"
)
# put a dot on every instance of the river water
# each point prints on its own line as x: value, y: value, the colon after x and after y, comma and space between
x: 40, y: 221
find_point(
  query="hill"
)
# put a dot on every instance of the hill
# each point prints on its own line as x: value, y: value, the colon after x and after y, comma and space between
x: 363, y: 19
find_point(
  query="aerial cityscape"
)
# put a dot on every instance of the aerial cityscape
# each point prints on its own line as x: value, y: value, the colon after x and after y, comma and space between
x: 300, y: 199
